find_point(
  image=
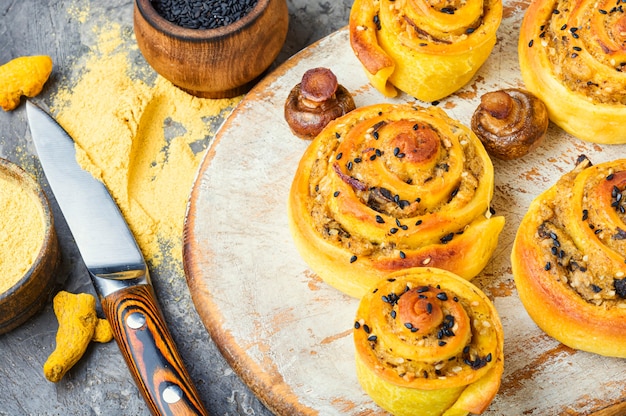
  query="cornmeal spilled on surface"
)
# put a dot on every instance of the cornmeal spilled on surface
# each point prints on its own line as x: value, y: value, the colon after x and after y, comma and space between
x: 21, y: 230
x: 143, y: 139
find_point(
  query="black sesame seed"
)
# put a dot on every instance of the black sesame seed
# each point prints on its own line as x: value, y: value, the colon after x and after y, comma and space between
x: 585, y: 214
x: 429, y: 308
x: 548, y: 266
x: 393, y: 230
x: 442, y: 343
x: 357, y: 325
x: 423, y: 289
x: 336, y: 194
x: 339, y: 155
x: 208, y: 14
x: 442, y: 296
x: 446, y: 238
x: 366, y: 328
x: 353, y: 259
x: 372, y: 338
x: 530, y: 44
x: 418, y: 222
x: 469, y: 31
x: 402, y: 255
x: 377, y: 22
x: 380, y: 219
x: 577, y: 48
x: 357, y: 160
x: 408, y: 325
x: 393, y: 314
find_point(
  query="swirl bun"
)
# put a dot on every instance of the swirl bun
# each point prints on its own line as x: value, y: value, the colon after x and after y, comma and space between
x: 426, y: 49
x: 572, y: 56
x: 387, y: 187
x: 568, y: 259
x: 430, y: 343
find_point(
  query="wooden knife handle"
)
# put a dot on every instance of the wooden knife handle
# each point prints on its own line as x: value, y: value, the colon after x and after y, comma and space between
x: 150, y: 352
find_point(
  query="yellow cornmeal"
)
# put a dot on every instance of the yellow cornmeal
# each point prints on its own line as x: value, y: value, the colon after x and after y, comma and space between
x: 139, y: 140
x: 21, y: 231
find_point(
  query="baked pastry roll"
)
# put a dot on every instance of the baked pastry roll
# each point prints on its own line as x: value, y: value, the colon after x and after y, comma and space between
x: 572, y: 56
x: 428, y: 49
x: 428, y: 343
x: 387, y: 187
x: 568, y: 259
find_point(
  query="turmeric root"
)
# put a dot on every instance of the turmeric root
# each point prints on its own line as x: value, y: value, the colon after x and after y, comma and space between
x: 78, y: 326
x: 25, y: 75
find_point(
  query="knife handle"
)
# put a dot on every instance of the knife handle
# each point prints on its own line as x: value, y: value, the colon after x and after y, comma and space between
x: 150, y: 352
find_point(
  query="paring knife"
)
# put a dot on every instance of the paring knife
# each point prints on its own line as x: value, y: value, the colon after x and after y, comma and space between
x: 117, y: 270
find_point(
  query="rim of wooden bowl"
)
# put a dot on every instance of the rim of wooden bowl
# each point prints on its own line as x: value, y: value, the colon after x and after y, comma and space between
x: 160, y: 23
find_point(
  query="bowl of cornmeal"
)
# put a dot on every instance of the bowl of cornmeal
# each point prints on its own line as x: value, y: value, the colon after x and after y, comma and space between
x: 29, y: 251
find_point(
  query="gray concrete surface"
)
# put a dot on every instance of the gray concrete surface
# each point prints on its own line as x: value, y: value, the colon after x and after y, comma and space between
x: 100, y: 383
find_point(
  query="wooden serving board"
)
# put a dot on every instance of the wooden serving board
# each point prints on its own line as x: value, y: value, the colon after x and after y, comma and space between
x: 289, y: 335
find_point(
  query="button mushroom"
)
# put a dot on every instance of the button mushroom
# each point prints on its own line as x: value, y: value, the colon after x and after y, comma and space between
x: 510, y: 123
x: 316, y: 101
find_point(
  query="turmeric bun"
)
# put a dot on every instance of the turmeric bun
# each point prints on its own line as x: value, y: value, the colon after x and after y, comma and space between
x: 572, y: 57
x: 428, y: 343
x: 568, y: 259
x: 387, y: 187
x: 428, y: 51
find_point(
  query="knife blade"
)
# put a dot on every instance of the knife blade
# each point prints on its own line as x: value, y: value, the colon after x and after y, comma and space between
x: 118, y: 271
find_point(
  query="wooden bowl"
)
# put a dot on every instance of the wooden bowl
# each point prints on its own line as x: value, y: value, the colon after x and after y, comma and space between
x: 25, y: 294
x: 213, y: 63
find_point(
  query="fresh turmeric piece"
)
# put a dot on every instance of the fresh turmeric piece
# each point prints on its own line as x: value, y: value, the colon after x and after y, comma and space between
x: 78, y: 326
x: 25, y: 75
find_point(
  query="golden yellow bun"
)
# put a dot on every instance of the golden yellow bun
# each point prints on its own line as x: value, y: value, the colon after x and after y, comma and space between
x: 387, y: 187
x: 572, y: 57
x: 428, y: 50
x: 568, y: 259
x: 428, y: 343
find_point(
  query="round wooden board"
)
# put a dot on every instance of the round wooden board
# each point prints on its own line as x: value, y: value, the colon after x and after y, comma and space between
x: 286, y: 333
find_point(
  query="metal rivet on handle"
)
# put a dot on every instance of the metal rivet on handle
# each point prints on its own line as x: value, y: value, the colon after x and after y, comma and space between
x: 172, y: 394
x: 136, y: 320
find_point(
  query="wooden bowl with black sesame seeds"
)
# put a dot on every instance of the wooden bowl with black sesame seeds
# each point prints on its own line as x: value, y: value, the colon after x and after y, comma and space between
x: 211, y: 49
